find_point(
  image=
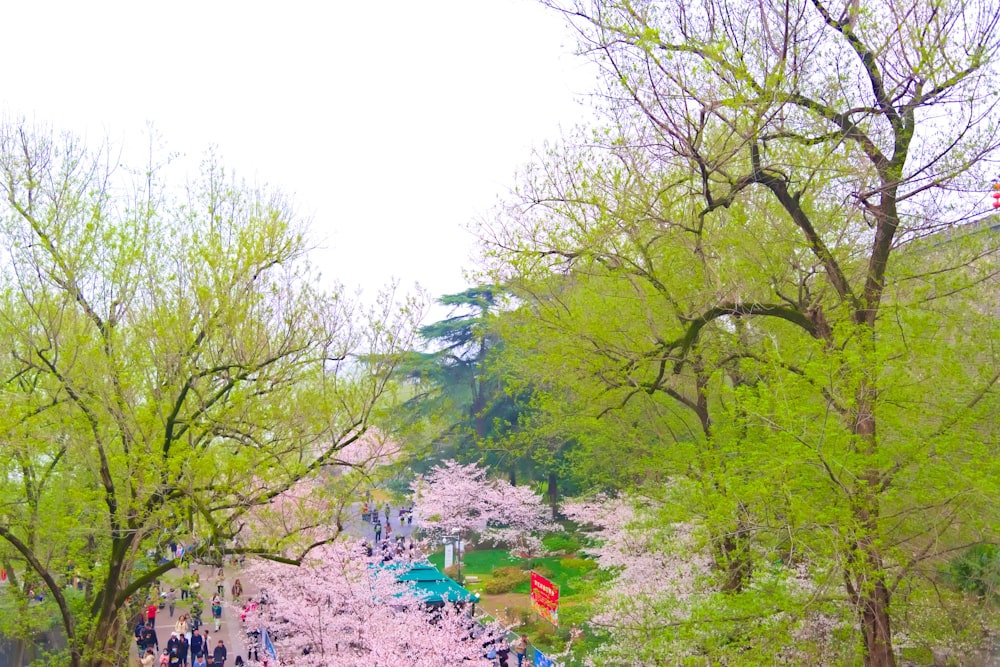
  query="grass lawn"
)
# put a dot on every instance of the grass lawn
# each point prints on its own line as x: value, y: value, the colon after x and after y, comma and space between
x: 478, y: 563
x: 514, y: 607
x: 559, y: 570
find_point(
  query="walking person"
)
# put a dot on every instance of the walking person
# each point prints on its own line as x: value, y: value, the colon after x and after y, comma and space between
x: 197, y: 644
x: 138, y: 636
x: 149, y: 638
x: 237, y: 590
x: 521, y: 649
x: 182, y: 627
x: 182, y: 649
x: 378, y: 531
x: 217, y: 612
x: 151, y: 612
x: 219, y: 654
x: 171, y: 599
x: 220, y: 583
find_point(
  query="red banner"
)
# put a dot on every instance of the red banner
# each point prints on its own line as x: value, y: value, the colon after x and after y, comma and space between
x: 545, y: 598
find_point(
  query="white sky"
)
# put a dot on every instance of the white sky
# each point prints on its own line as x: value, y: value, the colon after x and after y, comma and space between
x: 393, y: 124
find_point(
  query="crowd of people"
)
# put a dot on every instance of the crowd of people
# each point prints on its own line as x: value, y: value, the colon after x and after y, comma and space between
x: 190, y: 644
x: 184, y: 643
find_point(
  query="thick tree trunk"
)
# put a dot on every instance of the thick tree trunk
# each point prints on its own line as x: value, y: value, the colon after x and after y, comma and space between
x: 104, y: 641
x: 19, y: 652
x: 869, y: 590
x: 106, y: 645
x: 875, y: 626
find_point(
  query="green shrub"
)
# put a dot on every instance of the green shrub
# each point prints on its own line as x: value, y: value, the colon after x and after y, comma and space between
x: 977, y: 570
x: 579, y: 564
x: 504, y: 579
x: 561, y: 542
x: 543, y: 569
x: 510, y: 572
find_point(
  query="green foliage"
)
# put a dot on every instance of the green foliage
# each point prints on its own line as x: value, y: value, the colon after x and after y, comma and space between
x: 561, y: 542
x: 479, y: 562
x: 578, y: 564
x: 977, y: 571
x: 504, y: 580
x: 710, y: 325
x: 177, y: 372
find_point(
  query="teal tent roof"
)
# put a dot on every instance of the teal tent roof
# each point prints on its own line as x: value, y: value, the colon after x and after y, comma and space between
x: 446, y: 590
x: 430, y: 583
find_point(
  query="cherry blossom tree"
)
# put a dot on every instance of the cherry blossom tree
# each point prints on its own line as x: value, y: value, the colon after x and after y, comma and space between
x: 338, y: 609
x: 664, y: 604
x: 457, y: 499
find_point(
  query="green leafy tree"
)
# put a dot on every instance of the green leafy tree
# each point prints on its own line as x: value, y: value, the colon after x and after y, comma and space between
x: 174, y: 368
x: 455, y: 387
x: 748, y: 231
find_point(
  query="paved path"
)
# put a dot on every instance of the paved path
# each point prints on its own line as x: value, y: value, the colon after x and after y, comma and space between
x: 231, y: 631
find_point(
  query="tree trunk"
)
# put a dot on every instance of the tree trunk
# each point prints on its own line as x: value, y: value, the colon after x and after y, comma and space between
x: 869, y: 590
x: 734, y: 554
x: 553, y: 494
x: 19, y: 652
x: 104, y: 641
x: 875, y: 626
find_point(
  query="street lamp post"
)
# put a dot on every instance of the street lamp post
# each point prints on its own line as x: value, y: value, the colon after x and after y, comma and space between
x: 456, y: 539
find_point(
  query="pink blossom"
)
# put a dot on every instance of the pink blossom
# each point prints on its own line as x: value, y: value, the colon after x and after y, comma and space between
x: 346, y: 612
x: 458, y: 499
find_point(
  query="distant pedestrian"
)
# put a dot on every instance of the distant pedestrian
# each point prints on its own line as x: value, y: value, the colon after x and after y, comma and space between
x: 237, y: 590
x: 171, y: 596
x: 149, y: 638
x: 220, y: 583
x: 217, y: 614
x: 138, y: 635
x: 197, y: 644
x: 219, y: 654
x: 378, y: 531
x: 388, y: 513
x: 521, y: 649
